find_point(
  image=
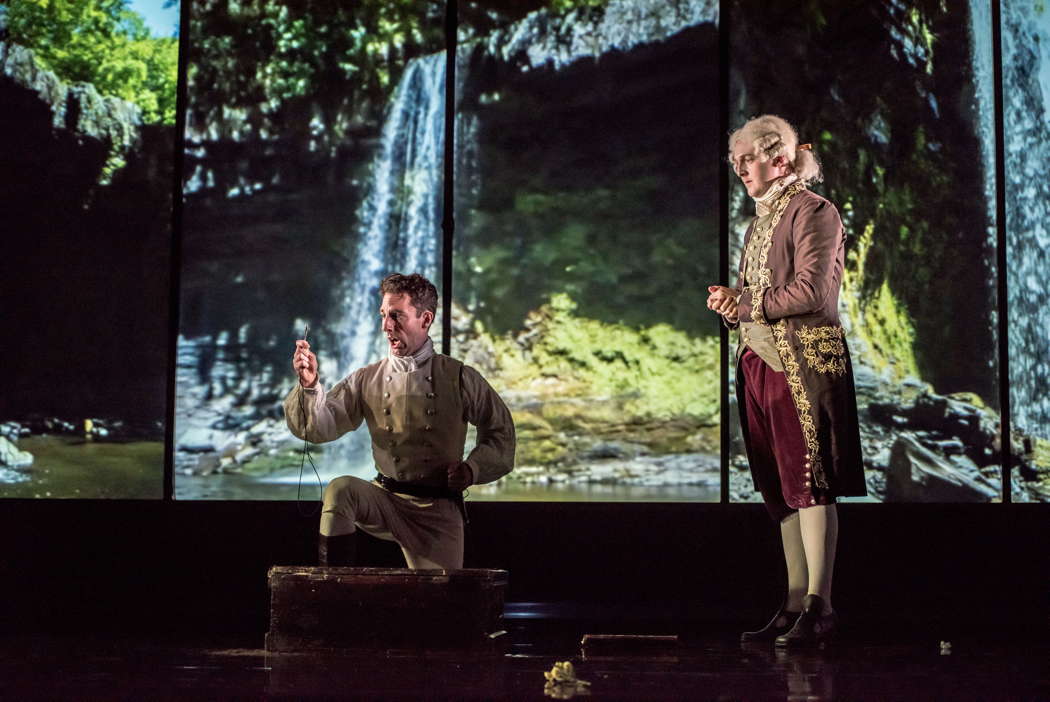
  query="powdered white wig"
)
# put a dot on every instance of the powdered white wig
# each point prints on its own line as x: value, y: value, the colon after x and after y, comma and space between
x: 771, y: 136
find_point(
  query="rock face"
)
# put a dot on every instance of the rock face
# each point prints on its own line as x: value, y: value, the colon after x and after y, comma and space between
x: 917, y: 474
x: 925, y: 447
x: 234, y: 415
x: 11, y: 457
x: 79, y: 108
x: 543, y: 40
x: 85, y: 194
x: 674, y: 470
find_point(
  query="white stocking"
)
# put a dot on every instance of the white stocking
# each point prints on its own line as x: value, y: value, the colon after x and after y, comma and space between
x: 795, y: 560
x: 820, y: 531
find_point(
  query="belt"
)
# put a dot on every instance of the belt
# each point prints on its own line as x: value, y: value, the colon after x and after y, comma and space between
x: 417, y: 490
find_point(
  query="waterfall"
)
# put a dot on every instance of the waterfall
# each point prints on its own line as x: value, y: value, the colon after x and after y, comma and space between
x: 984, y: 126
x: 1026, y: 108
x: 400, y: 220
x: 399, y: 228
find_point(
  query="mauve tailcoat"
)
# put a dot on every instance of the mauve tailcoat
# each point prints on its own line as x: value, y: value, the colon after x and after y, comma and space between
x: 800, y: 269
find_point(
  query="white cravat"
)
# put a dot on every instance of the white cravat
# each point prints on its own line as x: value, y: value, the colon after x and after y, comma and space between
x: 407, y: 364
x: 764, y: 203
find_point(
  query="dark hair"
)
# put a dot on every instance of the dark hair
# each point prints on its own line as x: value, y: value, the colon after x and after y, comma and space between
x: 423, y: 294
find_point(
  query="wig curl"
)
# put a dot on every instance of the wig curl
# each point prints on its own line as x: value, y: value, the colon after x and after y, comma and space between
x: 771, y: 136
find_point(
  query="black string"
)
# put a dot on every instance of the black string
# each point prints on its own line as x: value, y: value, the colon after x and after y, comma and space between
x: 302, y: 464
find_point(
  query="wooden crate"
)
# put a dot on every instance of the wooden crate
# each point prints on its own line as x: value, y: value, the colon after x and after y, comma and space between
x: 347, y: 609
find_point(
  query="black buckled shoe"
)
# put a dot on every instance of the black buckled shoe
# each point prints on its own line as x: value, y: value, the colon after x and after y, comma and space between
x: 813, y: 628
x: 781, y: 623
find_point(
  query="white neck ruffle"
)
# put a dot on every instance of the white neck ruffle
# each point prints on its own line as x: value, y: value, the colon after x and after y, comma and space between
x: 407, y: 364
x: 764, y: 203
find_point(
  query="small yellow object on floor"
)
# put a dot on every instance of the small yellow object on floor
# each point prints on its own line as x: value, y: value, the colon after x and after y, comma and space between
x: 562, y: 683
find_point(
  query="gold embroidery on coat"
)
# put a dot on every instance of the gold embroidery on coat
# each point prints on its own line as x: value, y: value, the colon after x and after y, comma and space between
x: 756, y: 304
x: 802, y: 405
x: 791, y: 368
x: 765, y: 241
x: 824, y: 349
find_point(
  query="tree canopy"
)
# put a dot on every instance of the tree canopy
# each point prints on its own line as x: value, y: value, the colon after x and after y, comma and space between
x: 276, y: 66
x: 102, y: 42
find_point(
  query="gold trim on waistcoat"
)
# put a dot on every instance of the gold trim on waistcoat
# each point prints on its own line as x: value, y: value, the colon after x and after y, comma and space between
x: 765, y: 275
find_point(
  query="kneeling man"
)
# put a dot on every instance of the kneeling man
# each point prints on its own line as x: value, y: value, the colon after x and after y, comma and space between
x: 417, y: 404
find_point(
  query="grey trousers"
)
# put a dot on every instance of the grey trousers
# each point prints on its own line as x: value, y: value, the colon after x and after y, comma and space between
x: 429, y: 530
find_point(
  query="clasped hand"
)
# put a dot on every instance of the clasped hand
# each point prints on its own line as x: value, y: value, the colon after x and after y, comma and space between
x: 723, y: 301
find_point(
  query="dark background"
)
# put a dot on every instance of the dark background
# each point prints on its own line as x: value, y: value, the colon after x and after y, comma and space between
x: 198, y: 568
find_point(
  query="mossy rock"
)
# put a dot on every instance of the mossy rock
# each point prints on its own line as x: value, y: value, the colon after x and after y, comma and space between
x: 707, y: 439
x: 1041, y: 458
x: 543, y: 452
x: 586, y: 372
x: 674, y: 436
x: 526, y: 422
x: 582, y: 415
x: 970, y: 398
x: 265, y: 464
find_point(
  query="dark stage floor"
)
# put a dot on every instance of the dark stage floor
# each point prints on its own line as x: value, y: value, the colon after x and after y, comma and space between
x: 700, y: 666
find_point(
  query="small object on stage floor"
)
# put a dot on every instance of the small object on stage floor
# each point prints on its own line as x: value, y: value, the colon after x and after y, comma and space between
x: 561, y: 682
x: 385, y: 609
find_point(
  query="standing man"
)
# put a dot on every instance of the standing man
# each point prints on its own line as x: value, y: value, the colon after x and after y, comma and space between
x: 795, y: 391
x: 417, y: 404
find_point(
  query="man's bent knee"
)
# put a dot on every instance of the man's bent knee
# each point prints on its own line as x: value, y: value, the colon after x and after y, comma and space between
x: 340, y: 489
x: 339, y: 510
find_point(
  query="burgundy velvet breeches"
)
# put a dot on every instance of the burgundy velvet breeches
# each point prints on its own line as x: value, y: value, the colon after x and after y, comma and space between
x: 777, y: 449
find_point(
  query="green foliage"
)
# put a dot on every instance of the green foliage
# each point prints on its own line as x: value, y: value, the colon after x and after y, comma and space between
x: 913, y: 257
x: 303, y: 67
x: 113, y: 165
x: 1041, y: 457
x: 266, y: 464
x: 477, y: 19
x: 890, y: 332
x: 919, y: 26
x: 616, y: 249
x: 104, y: 43
x: 658, y: 372
x: 880, y: 319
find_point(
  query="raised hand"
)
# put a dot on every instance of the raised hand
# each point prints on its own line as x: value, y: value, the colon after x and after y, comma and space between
x: 304, y: 362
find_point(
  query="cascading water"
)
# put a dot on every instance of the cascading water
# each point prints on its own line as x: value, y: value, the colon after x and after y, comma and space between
x: 400, y: 220
x: 399, y: 227
x: 984, y: 124
x: 1026, y: 108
